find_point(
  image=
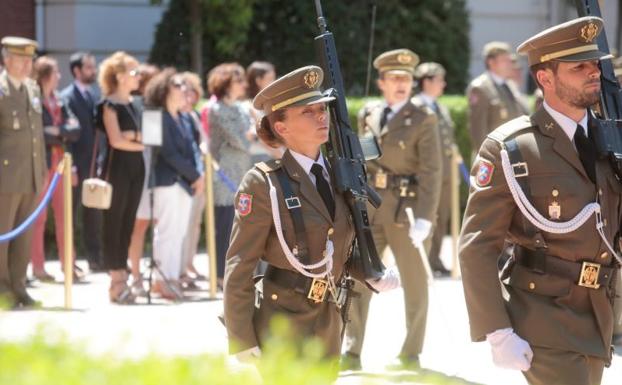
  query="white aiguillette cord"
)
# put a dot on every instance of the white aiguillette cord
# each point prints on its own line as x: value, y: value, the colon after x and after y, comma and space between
x: 291, y: 258
x: 532, y: 214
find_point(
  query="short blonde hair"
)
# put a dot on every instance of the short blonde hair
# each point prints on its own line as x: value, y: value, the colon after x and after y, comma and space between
x: 114, y: 64
x: 193, y: 81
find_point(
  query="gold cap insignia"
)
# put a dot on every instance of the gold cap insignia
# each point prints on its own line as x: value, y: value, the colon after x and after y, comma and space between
x: 311, y: 78
x: 589, y: 32
x: 404, y: 58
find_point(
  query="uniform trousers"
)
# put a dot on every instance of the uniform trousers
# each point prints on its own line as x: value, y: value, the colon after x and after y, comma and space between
x: 414, y: 283
x: 557, y: 367
x: 126, y: 176
x: 15, y: 254
x: 38, y: 244
x: 193, y: 233
x: 172, y: 206
x: 443, y: 216
x: 224, y: 221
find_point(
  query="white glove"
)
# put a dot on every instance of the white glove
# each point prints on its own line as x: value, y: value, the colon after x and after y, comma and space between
x: 419, y: 231
x: 389, y: 281
x: 249, y: 356
x: 509, y: 351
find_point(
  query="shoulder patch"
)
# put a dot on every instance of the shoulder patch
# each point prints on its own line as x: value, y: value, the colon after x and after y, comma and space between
x: 485, y: 169
x: 245, y: 204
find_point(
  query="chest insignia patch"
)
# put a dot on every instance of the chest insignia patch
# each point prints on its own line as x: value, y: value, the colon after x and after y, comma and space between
x: 484, y: 172
x: 245, y: 204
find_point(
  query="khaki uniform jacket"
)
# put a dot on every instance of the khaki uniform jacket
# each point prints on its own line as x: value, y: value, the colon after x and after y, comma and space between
x: 446, y: 129
x: 253, y: 238
x: 22, y: 147
x: 490, y: 107
x: 410, y: 144
x: 546, y: 310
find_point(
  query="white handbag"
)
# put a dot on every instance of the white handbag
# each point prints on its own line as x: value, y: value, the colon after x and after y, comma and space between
x: 97, y: 192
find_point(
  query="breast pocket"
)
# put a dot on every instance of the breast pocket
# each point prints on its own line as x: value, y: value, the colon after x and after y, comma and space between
x: 555, y: 196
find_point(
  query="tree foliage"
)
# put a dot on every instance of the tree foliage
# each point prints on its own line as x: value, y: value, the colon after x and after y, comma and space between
x: 282, y: 31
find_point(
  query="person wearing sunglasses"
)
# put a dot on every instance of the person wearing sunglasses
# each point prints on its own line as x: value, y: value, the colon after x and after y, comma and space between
x: 177, y: 179
x: 120, y: 117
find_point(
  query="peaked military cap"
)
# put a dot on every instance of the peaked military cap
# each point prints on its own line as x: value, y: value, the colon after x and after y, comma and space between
x: 429, y: 69
x: 494, y: 48
x: 397, y: 60
x: 298, y: 88
x: 574, y: 40
x: 19, y: 45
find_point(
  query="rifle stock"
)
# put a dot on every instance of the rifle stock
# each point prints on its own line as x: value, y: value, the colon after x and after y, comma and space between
x: 345, y: 154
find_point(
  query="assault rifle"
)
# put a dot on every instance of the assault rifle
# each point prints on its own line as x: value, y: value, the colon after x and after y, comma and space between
x: 607, y: 129
x: 346, y: 156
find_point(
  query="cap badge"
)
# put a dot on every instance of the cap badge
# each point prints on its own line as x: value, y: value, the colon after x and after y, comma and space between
x: 311, y: 78
x: 404, y: 58
x: 589, y: 32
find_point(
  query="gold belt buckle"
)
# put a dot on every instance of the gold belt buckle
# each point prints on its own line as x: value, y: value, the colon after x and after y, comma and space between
x: 318, y: 290
x: 589, y: 275
x: 381, y: 180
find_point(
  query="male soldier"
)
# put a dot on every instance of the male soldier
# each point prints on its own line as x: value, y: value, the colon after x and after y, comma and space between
x: 431, y: 83
x: 493, y: 100
x: 538, y: 185
x: 407, y: 175
x: 22, y: 168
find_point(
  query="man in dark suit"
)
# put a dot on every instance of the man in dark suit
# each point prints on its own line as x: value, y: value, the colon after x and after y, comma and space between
x: 81, y: 99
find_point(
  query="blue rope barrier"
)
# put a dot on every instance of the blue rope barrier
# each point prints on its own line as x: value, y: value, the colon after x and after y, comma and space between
x: 465, y: 174
x: 31, y: 219
x: 225, y: 179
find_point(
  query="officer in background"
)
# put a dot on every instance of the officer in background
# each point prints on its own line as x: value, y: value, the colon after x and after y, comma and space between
x: 493, y: 98
x: 407, y: 175
x: 550, y: 314
x: 431, y: 84
x: 313, y: 226
x: 22, y: 167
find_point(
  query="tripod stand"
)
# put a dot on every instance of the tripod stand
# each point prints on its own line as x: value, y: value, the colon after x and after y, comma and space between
x: 153, y: 265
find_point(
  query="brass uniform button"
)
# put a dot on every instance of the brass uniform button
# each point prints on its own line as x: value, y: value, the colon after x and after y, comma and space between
x: 555, y: 192
x: 6, y: 162
x: 411, y: 194
x: 604, y: 255
x: 274, y: 297
x: 331, y: 231
x: 532, y: 285
x: 600, y: 191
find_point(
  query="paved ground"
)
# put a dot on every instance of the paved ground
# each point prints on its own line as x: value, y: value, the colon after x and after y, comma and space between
x: 192, y: 327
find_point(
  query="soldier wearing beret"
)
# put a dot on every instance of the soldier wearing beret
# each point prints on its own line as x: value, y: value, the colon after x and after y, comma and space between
x: 431, y: 84
x: 538, y: 185
x: 493, y: 98
x: 22, y: 167
x: 288, y: 215
x: 407, y: 175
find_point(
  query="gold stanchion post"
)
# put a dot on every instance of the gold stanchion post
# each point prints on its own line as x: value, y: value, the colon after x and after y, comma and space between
x: 210, y: 237
x: 455, y: 211
x: 68, y: 214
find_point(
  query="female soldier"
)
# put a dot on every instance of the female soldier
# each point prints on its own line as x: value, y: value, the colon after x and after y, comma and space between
x: 288, y: 216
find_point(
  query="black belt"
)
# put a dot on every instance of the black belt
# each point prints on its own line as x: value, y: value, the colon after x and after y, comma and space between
x: 587, y: 274
x: 314, y: 289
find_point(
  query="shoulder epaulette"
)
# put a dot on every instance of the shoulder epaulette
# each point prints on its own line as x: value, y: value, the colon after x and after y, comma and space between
x: 269, y: 165
x: 511, y: 128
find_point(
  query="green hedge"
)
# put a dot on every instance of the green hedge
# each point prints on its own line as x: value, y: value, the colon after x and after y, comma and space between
x: 47, y: 359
